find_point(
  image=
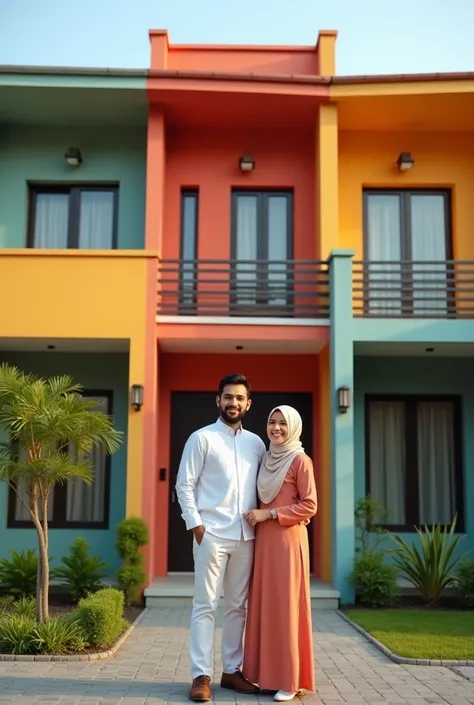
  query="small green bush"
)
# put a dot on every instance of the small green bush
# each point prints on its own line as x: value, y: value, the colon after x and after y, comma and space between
x: 375, y: 582
x: 431, y: 567
x: 18, y: 574
x: 132, y: 535
x: 17, y: 635
x: 465, y: 582
x: 25, y: 607
x: 81, y: 572
x: 101, y: 617
x: 6, y: 602
x: 61, y: 635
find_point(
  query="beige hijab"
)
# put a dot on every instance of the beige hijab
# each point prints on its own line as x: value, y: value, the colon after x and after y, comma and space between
x: 277, y: 460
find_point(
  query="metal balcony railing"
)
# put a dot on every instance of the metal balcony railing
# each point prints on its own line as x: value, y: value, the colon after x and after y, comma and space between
x: 248, y: 288
x: 413, y: 289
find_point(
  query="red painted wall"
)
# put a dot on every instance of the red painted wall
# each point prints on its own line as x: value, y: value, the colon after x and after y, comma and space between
x: 208, y: 160
x: 188, y: 372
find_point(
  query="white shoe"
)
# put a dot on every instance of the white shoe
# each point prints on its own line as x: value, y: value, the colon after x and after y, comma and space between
x: 283, y: 696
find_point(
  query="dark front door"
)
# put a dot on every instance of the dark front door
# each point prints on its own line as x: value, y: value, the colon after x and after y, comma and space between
x: 192, y: 410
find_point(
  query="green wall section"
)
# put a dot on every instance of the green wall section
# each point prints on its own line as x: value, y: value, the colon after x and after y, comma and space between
x: 95, y: 372
x: 405, y: 375
x: 36, y: 154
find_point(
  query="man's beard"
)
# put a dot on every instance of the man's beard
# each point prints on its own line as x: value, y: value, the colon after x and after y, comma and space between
x: 232, y: 418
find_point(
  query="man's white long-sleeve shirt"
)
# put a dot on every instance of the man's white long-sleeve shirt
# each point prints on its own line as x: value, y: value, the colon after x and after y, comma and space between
x: 217, y: 480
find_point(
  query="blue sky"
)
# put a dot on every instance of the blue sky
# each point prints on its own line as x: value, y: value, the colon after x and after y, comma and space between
x: 375, y: 36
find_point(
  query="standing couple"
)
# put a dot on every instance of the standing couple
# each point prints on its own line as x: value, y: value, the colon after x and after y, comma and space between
x: 222, y: 470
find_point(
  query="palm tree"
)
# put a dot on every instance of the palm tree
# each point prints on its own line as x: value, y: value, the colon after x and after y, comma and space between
x: 40, y: 418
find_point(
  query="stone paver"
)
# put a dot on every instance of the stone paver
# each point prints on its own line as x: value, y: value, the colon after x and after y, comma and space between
x: 152, y: 668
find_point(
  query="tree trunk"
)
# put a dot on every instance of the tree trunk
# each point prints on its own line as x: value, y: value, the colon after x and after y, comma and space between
x: 42, y: 576
x: 44, y: 559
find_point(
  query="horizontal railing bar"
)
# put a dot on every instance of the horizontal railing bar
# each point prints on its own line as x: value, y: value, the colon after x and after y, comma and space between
x: 410, y: 263
x: 198, y: 262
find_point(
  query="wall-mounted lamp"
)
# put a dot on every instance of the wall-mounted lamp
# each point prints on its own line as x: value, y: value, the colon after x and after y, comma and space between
x: 343, y: 399
x: 137, y: 396
x: 246, y: 162
x: 405, y: 161
x: 73, y: 156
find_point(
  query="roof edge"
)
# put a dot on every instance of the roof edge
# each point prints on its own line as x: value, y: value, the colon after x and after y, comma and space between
x: 72, y: 71
x: 403, y: 78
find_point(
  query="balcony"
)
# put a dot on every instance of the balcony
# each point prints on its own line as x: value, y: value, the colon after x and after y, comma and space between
x: 429, y: 290
x: 243, y: 288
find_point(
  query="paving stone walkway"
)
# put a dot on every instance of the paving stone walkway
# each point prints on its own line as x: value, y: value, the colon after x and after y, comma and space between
x: 152, y: 669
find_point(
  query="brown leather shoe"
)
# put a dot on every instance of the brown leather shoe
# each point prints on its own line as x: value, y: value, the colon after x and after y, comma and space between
x: 236, y: 681
x: 201, y: 689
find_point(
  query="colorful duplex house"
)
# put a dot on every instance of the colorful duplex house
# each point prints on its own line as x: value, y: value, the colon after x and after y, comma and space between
x: 242, y: 209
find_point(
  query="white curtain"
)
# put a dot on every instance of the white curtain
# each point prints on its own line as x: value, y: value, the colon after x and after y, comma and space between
x: 384, y: 245
x: 246, y: 249
x: 86, y: 503
x: 277, y: 249
x: 428, y: 244
x: 436, y: 462
x: 387, y: 458
x: 51, y: 221
x: 96, y: 220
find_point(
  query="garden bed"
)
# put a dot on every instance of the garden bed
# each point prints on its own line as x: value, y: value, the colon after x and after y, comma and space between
x: 420, y: 633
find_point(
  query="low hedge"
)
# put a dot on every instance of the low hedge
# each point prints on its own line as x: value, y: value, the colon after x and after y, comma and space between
x: 101, y: 616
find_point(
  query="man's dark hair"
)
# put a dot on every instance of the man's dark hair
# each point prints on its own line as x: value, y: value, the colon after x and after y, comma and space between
x: 234, y: 379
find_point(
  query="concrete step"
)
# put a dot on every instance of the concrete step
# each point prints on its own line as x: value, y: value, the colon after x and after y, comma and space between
x: 176, y: 590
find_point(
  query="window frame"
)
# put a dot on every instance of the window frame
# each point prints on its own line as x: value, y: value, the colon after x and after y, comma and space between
x: 411, y: 490
x: 74, y: 192
x: 187, y: 297
x: 263, y: 196
x: 60, y: 490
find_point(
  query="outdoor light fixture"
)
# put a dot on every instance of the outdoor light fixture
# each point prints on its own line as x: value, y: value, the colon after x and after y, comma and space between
x: 405, y: 161
x: 344, y: 399
x: 73, y: 156
x: 246, y: 162
x: 137, y: 396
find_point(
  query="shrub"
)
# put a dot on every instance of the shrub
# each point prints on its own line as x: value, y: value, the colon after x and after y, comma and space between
x: 375, y: 582
x: 132, y: 535
x: 465, y: 582
x: 61, y: 635
x: 18, y: 574
x: 16, y: 635
x: 6, y: 602
x: 101, y: 617
x: 81, y: 572
x: 368, y: 514
x: 429, y: 568
x: 25, y: 607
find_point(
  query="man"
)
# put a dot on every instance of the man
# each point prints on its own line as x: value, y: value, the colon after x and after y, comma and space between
x: 216, y: 486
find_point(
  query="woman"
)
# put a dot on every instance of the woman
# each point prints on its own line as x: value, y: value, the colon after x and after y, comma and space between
x: 278, y: 640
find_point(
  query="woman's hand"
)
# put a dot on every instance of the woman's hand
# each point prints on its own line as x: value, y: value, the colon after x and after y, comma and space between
x: 255, y: 516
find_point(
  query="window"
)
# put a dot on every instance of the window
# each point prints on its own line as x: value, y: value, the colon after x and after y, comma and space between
x: 413, y: 457
x: 73, y: 217
x: 409, y: 227
x: 262, y: 244
x: 74, y: 504
x: 189, y: 240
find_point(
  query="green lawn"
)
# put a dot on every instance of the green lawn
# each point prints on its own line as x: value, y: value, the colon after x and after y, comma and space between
x: 418, y: 633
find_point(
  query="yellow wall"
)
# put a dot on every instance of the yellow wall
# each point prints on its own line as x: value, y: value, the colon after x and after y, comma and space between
x: 442, y: 160
x: 97, y: 295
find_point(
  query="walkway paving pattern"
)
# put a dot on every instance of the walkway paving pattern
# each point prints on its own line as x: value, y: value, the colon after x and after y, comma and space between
x: 152, y: 668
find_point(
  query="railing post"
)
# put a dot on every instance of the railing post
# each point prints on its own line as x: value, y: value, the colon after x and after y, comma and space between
x: 342, y: 422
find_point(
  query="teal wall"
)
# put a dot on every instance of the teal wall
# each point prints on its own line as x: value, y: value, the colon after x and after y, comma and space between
x: 37, y: 154
x: 404, y: 375
x: 96, y: 372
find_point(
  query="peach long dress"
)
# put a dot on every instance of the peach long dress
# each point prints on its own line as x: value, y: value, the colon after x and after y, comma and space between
x: 278, y: 652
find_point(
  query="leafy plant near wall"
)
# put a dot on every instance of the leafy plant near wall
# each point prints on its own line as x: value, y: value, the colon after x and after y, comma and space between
x: 41, y: 418
x: 81, y: 572
x: 431, y: 567
x: 374, y: 580
x: 132, y: 535
x: 465, y: 582
x: 369, y: 514
x: 18, y: 573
